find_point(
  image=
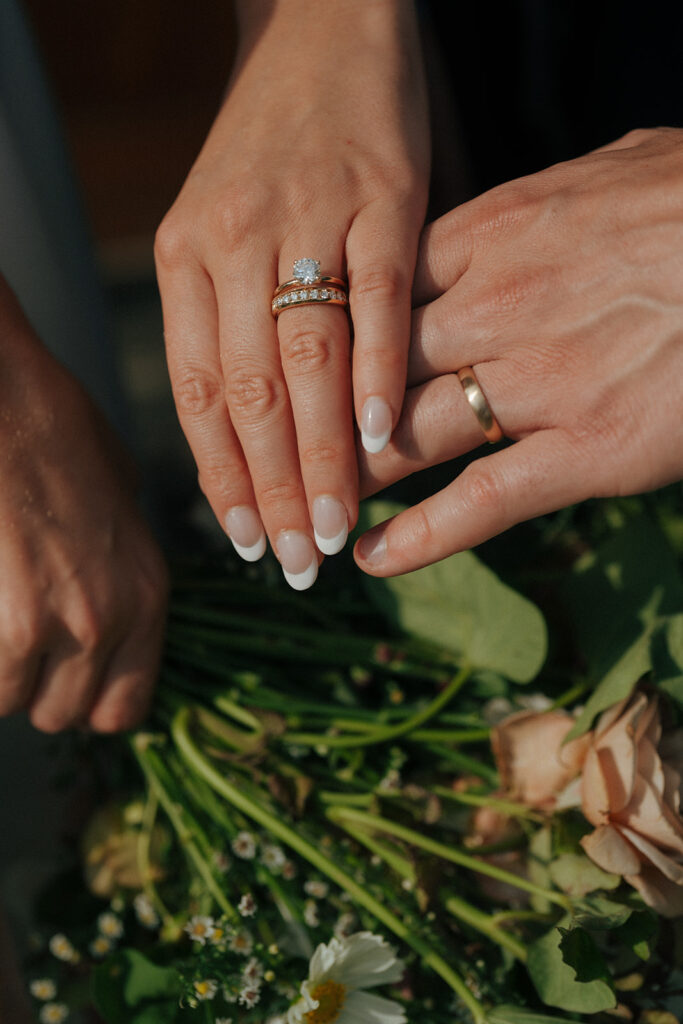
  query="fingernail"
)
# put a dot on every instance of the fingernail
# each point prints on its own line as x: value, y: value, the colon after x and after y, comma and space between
x: 330, y: 524
x: 373, y: 547
x: 245, y: 530
x: 375, y: 424
x: 298, y: 559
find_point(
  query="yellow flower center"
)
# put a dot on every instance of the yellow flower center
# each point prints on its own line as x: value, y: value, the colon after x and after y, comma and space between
x: 330, y: 996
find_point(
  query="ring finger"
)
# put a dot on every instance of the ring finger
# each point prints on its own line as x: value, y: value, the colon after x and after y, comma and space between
x: 314, y: 346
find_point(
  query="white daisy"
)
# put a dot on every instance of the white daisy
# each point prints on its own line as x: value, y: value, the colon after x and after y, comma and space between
x: 289, y: 870
x: 273, y: 857
x: 53, y: 1013
x: 110, y: 925
x: 244, y: 846
x: 241, y: 942
x: 206, y: 989
x: 100, y: 946
x: 221, y: 862
x: 249, y: 996
x: 62, y: 948
x: 200, y: 928
x: 318, y: 890
x: 145, y: 912
x: 311, y: 914
x: 253, y: 972
x: 43, y: 988
x: 338, y: 974
x: 247, y: 905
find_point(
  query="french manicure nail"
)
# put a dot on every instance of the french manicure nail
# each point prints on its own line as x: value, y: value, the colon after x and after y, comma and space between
x: 375, y: 424
x: 330, y: 524
x: 245, y: 530
x: 373, y: 547
x: 298, y: 559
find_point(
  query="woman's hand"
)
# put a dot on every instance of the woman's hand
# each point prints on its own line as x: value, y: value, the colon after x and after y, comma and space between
x: 82, y: 583
x: 320, y: 150
x: 564, y: 291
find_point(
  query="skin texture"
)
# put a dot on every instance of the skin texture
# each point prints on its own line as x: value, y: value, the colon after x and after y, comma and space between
x: 564, y: 291
x: 321, y: 150
x: 83, y: 597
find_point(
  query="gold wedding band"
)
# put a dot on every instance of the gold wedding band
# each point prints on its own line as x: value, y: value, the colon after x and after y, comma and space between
x: 480, y: 407
x: 308, y: 287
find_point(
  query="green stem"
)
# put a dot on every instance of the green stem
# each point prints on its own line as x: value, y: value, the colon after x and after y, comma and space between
x: 509, y: 807
x: 522, y: 915
x: 388, y: 732
x: 465, y: 860
x: 183, y: 823
x: 401, y: 865
x: 484, y: 923
x: 143, y: 858
x: 258, y: 813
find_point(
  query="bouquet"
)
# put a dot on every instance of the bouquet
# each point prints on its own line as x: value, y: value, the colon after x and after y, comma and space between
x: 419, y: 799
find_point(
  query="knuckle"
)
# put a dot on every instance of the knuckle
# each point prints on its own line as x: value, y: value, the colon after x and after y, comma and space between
x: 172, y: 246
x: 422, y: 532
x: 483, y: 488
x: 234, y: 213
x: 196, y: 390
x: 253, y: 394
x: 383, y: 284
x: 279, y: 495
x: 306, y: 350
x: 322, y: 452
x: 87, y: 624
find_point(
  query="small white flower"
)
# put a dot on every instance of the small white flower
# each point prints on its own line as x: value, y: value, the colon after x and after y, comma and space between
x: 53, y: 1013
x: 110, y: 925
x: 277, y: 1018
x: 345, y: 924
x: 206, y: 989
x: 249, y: 996
x: 100, y: 946
x: 200, y: 929
x: 62, y: 948
x: 338, y: 974
x: 391, y: 781
x: 221, y: 862
x: 43, y: 988
x: 273, y: 857
x: 241, y: 942
x: 145, y: 912
x: 247, y: 905
x: 223, y: 1020
x: 253, y: 972
x: 318, y: 890
x: 244, y: 845
x: 311, y: 914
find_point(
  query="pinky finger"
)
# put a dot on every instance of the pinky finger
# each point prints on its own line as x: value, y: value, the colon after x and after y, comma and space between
x: 530, y: 478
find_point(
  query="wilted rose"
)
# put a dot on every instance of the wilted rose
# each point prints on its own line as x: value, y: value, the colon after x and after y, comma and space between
x: 111, y: 853
x: 533, y: 764
x: 631, y: 792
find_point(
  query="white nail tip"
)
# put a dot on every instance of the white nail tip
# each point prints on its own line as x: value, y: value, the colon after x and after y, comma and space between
x: 374, y: 445
x: 302, y: 580
x: 331, y: 545
x: 253, y: 552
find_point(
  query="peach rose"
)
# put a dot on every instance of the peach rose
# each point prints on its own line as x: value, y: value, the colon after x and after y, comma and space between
x: 534, y: 767
x: 630, y: 792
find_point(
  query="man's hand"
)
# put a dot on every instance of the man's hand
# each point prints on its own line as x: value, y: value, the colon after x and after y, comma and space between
x: 82, y: 584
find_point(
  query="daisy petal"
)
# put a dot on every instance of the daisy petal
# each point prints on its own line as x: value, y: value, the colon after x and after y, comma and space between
x: 365, y: 960
x: 366, y: 1008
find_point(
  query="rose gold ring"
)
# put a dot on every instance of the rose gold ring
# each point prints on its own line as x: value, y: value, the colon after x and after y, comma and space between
x: 480, y: 407
x: 307, y: 287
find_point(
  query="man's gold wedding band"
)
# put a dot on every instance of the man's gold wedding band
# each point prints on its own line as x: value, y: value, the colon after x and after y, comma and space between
x: 480, y: 407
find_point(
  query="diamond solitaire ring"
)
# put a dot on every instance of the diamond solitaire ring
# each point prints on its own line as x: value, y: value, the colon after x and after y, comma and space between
x: 307, y: 287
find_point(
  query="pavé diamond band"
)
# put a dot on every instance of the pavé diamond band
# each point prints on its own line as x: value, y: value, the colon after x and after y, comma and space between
x: 308, y: 286
x: 480, y: 407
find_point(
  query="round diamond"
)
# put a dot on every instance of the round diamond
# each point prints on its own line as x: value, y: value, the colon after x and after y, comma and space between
x: 307, y: 270
x: 314, y: 293
x: 324, y: 294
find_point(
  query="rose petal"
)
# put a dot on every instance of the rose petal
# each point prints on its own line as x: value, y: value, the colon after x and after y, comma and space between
x: 609, y: 717
x: 649, y: 765
x: 658, y: 892
x: 672, y: 788
x: 528, y: 751
x: 618, y: 755
x: 594, y: 797
x: 611, y: 852
x: 648, y: 814
x: 657, y: 857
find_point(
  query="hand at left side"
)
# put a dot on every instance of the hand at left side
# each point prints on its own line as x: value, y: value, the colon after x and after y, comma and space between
x: 564, y: 292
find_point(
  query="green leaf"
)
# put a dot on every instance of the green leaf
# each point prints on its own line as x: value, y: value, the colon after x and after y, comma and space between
x: 620, y: 598
x: 638, y: 932
x: 577, y: 875
x: 599, y: 913
x: 580, y: 952
x: 667, y: 658
x: 130, y: 989
x: 556, y: 981
x: 460, y: 604
x: 506, y: 1014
